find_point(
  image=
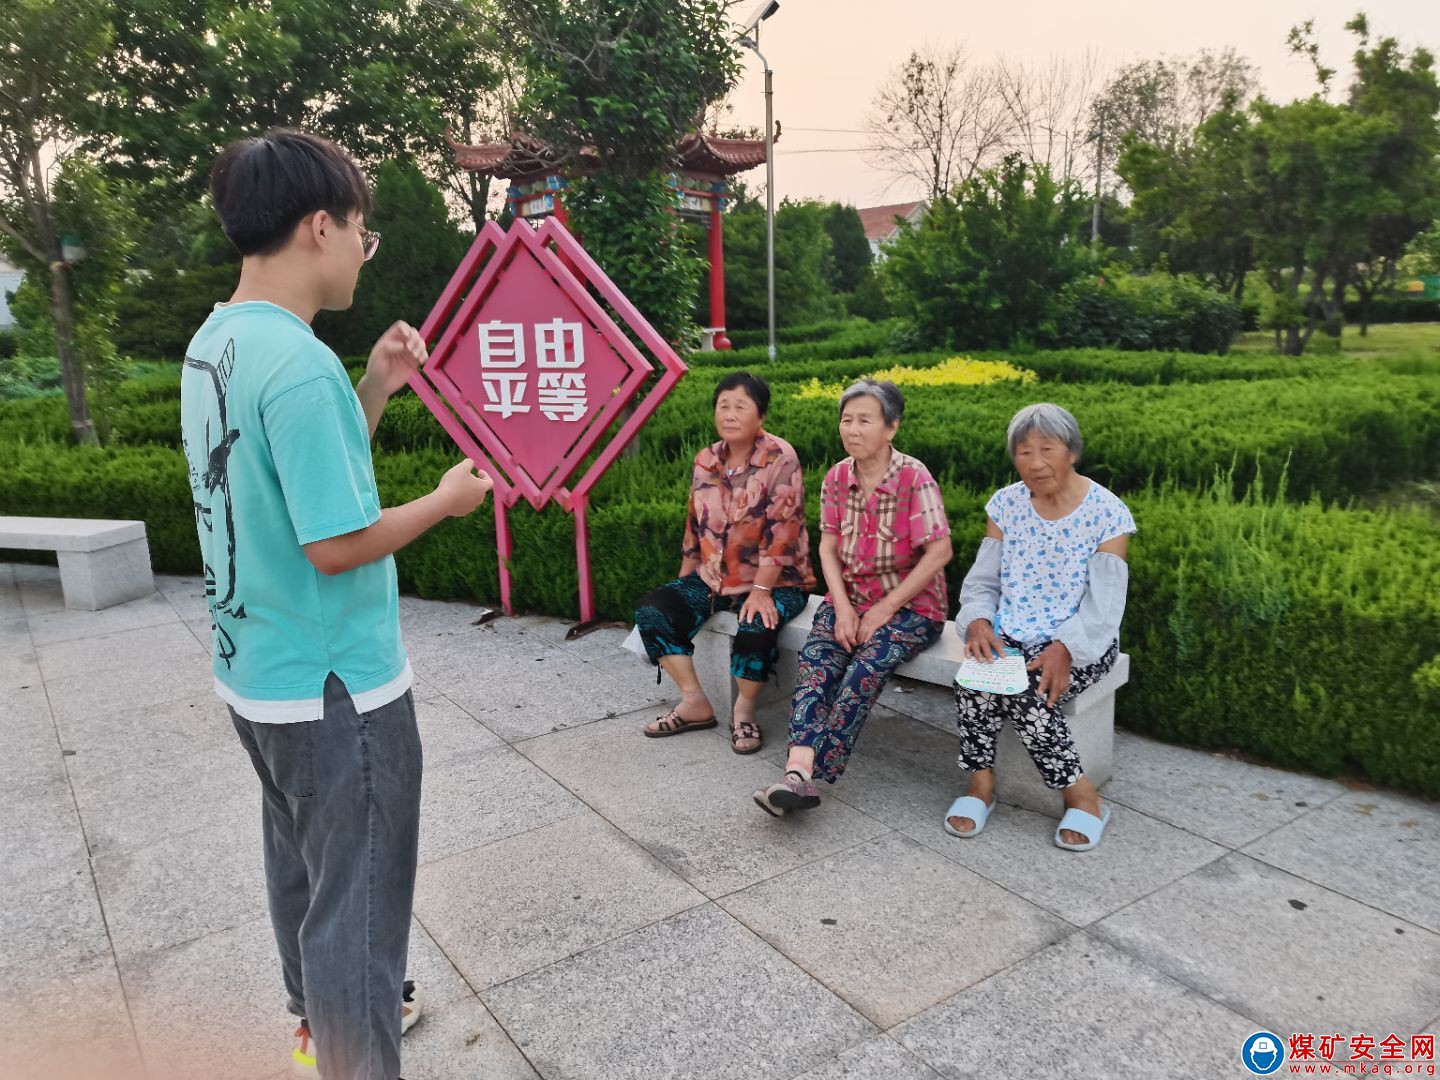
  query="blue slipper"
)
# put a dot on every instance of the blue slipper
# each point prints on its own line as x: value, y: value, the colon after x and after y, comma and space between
x: 1079, y: 821
x: 971, y: 807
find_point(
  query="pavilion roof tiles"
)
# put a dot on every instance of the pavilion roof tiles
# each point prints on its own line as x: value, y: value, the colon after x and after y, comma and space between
x: 523, y: 155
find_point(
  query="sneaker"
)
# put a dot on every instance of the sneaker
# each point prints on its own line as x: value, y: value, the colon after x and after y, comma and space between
x: 412, y: 1004
x: 791, y: 792
x: 302, y: 1058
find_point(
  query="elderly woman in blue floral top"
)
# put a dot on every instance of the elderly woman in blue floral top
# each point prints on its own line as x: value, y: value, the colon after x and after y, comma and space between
x: 1049, y: 580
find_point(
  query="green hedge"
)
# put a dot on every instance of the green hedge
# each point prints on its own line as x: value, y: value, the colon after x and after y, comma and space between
x: 792, y: 335
x: 1304, y: 634
x: 1246, y: 617
x: 1150, y: 311
x: 1247, y: 620
x: 1346, y: 428
x: 1394, y: 309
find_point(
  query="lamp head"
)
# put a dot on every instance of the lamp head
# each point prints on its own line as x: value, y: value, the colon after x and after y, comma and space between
x: 763, y: 12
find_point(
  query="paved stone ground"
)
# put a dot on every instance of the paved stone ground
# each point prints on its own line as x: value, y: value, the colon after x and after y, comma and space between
x: 593, y: 905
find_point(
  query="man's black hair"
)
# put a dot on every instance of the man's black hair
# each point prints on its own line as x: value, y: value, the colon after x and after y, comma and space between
x: 263, y: 187
x: 756, y: 387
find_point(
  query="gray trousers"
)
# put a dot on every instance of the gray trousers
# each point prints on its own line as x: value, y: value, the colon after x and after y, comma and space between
x: 341, y: 823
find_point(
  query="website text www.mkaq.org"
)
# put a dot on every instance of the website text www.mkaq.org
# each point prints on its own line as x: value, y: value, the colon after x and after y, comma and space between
x: 1361, y: 1068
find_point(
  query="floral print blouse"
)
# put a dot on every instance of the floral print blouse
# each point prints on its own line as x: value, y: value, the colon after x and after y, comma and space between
x: 1045, y: 565
x: 755, y: 518
x: 884, y: 536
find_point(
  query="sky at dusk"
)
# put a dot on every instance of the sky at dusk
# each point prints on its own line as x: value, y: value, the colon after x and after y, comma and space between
x: 830, y: 56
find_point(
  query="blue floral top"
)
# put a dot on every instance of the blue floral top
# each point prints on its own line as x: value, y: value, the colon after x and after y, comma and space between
x: 1045, y: 565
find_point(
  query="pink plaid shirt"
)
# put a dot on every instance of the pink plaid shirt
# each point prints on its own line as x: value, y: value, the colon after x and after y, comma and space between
x: 882, y: 538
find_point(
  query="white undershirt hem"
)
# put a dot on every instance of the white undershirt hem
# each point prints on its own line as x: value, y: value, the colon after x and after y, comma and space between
x: 301, y: 710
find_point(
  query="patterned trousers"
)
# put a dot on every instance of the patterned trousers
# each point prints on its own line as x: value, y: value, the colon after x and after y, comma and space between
x: 669, y: 618
x: 1041, y: 727
x: 835, y: 688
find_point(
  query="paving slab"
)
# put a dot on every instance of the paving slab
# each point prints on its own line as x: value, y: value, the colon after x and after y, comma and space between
x: 474, y: 800
x: 696, y: 996
x: 890, y: 926
x: 145, y: 791
x: 66, y: 624
x: 50, y: 915
x: 1286, y: 953
x: 609, y: 762
x: 1079, y: 1008
x: 1017, y: 850
x: 76, y: 1025
x: 1212, y: 795
x: 447, y: 731
x: 516, y: 905
x: 217, y: 1003
x: 711, y: 833
x: 183, y: 887
x: 129, y: 655
x: 463, y: 1041
x: 880, y: 1058
x: 1383, y: 850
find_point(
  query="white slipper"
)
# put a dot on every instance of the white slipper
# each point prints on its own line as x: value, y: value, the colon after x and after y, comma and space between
x: 1088, y: 825
x: 968, y: 806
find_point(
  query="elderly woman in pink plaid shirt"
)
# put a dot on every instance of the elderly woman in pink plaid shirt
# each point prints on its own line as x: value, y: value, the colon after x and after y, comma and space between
x: 884, y: 545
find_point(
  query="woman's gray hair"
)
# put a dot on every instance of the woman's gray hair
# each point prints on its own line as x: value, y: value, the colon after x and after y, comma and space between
x: 892, y: 402
x: 1044, y: 419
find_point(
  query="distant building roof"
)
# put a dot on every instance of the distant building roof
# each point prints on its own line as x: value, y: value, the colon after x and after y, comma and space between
x: 879, y: 221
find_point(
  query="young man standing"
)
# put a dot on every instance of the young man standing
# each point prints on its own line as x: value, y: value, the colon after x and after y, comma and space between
x: 302, y: 590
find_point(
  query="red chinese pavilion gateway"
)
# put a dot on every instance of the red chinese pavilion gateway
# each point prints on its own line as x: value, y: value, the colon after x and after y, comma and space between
x: 703, y: 163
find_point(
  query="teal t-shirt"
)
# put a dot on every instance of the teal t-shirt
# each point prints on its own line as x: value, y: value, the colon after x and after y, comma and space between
x: 279, y: 456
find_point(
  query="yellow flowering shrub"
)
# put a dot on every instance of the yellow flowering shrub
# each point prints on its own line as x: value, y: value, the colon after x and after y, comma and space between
x: 957, y: 371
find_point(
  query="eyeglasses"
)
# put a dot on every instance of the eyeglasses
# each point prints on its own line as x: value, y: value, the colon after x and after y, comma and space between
x: 368, y: 237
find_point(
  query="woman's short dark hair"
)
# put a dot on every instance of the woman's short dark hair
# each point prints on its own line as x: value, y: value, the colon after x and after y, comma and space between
x: 753, y: 385
x: 263, y: 187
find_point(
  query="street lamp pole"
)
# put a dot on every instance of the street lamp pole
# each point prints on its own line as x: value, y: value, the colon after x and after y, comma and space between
x: 751, y: 44
x: 1098, y: 138
x: 751, y: 40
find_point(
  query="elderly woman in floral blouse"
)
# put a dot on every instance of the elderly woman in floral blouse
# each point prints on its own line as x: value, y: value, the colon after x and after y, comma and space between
x: 746, y: 548
x: 884, y: 544
x: 1049, y: 581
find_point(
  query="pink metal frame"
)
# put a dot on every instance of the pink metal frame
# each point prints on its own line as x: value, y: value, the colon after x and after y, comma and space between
x: 576, y: 273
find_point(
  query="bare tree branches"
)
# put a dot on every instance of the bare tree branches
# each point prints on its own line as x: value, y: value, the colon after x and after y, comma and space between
x: 1049, y: 106
x: 938, y: 119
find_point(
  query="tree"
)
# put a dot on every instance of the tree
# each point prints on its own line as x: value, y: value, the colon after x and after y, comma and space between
x: 1406, y: 93
x: 627, y: 81
x: 1422, y: 254
x: 804, y: 266
x: 50, y: 51
x: 418, y: 254
x: 938, y: 119
x: 384, y: 78
x: 1049, y: 107
x: 1193, y: 203
x: 1342, y: 188
x: 1163, y: 102
x: 850, y: 254
x: 986, y: 268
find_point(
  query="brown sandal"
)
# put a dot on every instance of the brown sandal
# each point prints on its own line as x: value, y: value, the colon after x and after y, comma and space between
x: 672, y: 723
x: 746, y: 730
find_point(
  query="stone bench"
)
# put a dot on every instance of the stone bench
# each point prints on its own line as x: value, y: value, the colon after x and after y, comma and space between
x: 102, y: 563
x: 1091, y: 714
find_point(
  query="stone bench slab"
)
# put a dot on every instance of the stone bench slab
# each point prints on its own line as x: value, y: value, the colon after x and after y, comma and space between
x: 102, y: 563
x: 1091, y: 714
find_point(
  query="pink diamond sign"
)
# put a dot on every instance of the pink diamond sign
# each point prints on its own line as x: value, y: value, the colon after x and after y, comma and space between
x: 528, y: 373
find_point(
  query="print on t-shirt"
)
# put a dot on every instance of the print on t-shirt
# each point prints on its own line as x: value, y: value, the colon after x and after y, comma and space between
x: 210, y: 486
